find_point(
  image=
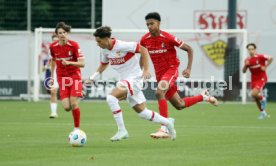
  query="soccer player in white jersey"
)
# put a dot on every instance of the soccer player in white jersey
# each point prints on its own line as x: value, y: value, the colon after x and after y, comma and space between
x: 121, y: 57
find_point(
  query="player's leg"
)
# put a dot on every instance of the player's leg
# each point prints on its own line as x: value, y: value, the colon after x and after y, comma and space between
x: 164, y: 83
x: 75, y: 111
x: 181, y: 103
x: 53, y: 103
x: 256, y: 94
x: 75, y: 93
x: 162, y: 107
x: 65, y: 102
x: 147, y: 114
x: 112, y: 99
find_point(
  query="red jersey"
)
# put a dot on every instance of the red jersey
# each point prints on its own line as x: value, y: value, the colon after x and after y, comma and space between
x: 162, y: 51
x: 70, y: 52
x: 255, y: 64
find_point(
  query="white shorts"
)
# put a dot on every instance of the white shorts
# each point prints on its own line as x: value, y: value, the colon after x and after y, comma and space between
x: 134, y: 87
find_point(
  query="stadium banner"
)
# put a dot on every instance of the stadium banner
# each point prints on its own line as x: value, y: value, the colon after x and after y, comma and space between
x: 12, y: 88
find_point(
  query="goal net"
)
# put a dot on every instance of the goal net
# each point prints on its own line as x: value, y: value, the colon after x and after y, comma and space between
x: 215, y: 66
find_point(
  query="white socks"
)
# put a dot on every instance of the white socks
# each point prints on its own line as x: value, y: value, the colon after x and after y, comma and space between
x: 113, y: 103
x: 53, y: 108
x: 153, y: 116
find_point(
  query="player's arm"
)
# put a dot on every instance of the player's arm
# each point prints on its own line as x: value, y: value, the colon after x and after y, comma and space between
x: 269, y: 61
x: 53, y: 66
x: 244, y: 69
x: 186, y: 73
x: 245, y: 66
x: 99, y: 70
x: 144, y: 61
x: 80, y: 63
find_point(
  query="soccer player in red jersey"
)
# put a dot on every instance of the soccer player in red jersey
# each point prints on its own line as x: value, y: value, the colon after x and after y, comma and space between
x: 68, y: 59
x: 257, y: 64
x: 161, y: 46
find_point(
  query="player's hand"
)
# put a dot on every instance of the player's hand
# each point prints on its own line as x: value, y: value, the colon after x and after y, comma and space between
x: 146, y: 74
x: 186, y: 73
x: 51, y: 82
x: 263, y: 68
x: 88, y: 82
x: 65, y: 62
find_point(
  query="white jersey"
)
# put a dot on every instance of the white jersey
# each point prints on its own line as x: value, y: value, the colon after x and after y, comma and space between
x: 122, y: 58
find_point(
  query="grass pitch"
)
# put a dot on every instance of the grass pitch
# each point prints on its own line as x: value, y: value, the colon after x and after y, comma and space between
x: 229, y: 134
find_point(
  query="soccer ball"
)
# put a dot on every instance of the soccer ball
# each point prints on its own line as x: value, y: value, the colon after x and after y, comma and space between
x: 77, y: 138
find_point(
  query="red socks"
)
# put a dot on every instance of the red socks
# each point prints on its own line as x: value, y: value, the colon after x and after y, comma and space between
x: 163, y: 107
x: 189, y: 101
x: 76, y: 117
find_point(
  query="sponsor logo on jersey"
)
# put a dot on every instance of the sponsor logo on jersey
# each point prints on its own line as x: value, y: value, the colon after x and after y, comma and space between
x: 117, y: 61
x: 160, y: 51
x: 67, y: 58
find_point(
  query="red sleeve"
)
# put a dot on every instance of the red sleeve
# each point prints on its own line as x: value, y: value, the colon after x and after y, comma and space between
x: 78, y: 52
x: 174, y: 40
x: 265, y: 57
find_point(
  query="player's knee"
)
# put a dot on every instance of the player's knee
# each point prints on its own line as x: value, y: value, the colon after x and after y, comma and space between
x: 67, y: 108
x: 74, y: 105
x: 163, y: 85
x: 179, y: 105
x: 159, y: 94
x: 254, y: 94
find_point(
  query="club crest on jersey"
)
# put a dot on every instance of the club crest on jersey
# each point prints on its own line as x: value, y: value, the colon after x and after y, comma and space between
x: 163, y: 45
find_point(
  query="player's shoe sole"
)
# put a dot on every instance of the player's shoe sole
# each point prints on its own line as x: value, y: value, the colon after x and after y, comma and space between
x: 210, y: 99
x: 52, y: 116
x: 160, y: 134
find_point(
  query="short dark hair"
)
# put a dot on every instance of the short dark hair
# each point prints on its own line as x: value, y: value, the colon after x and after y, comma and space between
x: 102, y: 32
x: 64, y: 26
x: 251, y: 44
x: 153, y: 15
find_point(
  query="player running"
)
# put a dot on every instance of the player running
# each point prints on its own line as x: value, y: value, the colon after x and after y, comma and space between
x: 68, y: 59
x: 161, y: 46
x: 257, y: 64
x: 121, y: 57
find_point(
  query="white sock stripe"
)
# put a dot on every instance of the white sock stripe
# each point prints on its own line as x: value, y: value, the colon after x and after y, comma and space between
x: 116, y: 112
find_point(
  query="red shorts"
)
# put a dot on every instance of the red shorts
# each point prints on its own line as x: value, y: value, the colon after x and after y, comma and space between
x: 170, y: 76
x: 258, y: 84
x: 70, y: 87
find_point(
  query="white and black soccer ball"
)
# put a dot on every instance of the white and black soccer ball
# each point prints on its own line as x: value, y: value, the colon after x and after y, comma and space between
x: 77, y: 138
